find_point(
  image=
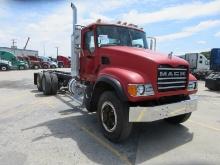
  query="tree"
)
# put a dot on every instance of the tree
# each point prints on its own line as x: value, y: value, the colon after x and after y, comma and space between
x: 207, y: 54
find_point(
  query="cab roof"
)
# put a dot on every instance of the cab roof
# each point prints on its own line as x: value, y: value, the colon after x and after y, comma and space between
x: 130, y: 26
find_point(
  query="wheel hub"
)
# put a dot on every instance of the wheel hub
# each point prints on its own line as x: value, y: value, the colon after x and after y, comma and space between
x: 108, y: 116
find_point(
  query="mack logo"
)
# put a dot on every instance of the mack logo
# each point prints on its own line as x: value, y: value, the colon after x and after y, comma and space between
x: 172, y: 74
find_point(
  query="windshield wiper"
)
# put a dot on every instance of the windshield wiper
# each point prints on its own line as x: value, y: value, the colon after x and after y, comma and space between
x: 111, y: 44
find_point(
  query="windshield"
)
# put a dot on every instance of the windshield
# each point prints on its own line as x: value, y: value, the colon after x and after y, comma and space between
x: 109, y: 35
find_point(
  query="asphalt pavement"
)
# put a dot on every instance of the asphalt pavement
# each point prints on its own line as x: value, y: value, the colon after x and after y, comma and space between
x: 54, y: 130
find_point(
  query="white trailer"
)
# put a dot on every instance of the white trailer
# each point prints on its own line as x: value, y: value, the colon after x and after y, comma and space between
x: 197, y: 62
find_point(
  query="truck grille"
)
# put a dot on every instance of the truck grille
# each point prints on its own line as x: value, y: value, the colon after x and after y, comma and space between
x: 172, y: 79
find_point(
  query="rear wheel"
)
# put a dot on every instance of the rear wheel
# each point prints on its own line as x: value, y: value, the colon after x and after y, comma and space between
x: 39, y: 81
x: 46, y: 83
x: 45, y: 66
x: 178, y: 119
x: 54, y: 84
x: 21, y: 67
x: 3, y: 68
x: 113, y: 117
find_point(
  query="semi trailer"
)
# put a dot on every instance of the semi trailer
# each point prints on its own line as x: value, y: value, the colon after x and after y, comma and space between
x: 198, y: 64
x: 116, y: 75
x: 212, y: 81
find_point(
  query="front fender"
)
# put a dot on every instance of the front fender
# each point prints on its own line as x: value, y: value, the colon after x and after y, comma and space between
x: 192, y: 78
x: 115, y: 84
x: 124, y: 77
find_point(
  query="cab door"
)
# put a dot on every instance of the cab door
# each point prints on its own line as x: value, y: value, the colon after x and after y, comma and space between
x: 88, y: 57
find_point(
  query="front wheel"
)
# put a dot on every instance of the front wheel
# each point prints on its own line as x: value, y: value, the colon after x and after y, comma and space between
x: 3, y: 68
x: 178, y: 119
x: 113, y: 116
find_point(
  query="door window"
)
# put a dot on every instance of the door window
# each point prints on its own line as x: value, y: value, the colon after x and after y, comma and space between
x: 89, y: 41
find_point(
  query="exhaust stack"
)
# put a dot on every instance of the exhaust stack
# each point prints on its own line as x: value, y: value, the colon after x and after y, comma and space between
x: 74, y: 51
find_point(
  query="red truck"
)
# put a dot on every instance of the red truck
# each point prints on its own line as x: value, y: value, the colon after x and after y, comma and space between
x: 31, y: 60
x: 63, y: 62
x: 116, y: 75
x: 38, y: 62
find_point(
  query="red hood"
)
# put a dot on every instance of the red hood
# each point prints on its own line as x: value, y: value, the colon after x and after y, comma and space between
x: 147, y: 54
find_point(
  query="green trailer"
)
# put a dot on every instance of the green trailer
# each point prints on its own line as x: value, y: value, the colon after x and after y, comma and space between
x: 16, y: 64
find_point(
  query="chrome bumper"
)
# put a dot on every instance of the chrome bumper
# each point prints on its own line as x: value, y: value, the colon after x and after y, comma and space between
x: 153, y: 113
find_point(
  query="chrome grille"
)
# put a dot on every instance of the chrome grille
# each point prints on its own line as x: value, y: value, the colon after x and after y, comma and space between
x: 171, y: 79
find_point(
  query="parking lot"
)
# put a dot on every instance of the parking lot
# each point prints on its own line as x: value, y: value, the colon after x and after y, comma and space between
x: 38, y: 129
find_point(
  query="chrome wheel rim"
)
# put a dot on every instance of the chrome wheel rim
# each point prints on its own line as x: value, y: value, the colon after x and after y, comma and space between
x: 108, y: 116
x: 4, y: 68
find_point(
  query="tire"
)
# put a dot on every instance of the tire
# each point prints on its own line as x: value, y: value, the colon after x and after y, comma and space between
x: 87, y: 99
x: 36, y: 67
x: 39, y: 82
x: 3, y: 68
x: 178, y: 119
x: 54, y: 84
x: 21, y: 67
x: 45, y: 66
x: 113, y: 116
x: 53, y: 66
x: 46, y: 83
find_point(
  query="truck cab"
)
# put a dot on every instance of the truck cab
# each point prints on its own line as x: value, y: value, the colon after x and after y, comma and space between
x: 121, y: 52
x: 5, y: 65
x: 63, y: 62
x: 47, y: 62
x: 212, y: 81
x: 16, y: 63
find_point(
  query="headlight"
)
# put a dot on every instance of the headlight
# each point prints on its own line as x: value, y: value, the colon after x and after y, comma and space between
x: 192, y: 85
x: 140, y: 89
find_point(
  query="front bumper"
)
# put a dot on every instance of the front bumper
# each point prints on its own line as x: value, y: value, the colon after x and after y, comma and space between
x: 153, y: 113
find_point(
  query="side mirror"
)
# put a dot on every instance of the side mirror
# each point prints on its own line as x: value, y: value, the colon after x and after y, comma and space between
x: 153, y: 43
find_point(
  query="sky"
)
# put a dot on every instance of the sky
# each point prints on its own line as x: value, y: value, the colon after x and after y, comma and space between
x: 179, y: 26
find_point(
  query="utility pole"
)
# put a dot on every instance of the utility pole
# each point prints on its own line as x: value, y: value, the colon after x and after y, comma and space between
x: 57, y: 50
x: 13, y: 45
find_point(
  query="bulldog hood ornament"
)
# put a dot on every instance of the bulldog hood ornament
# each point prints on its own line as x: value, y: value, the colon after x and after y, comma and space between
x: 170, y: 55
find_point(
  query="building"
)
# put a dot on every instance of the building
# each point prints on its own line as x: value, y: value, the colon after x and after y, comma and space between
x: 19, y: 52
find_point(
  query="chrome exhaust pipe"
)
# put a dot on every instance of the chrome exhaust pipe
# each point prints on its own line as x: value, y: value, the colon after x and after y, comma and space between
x: 74, y: 52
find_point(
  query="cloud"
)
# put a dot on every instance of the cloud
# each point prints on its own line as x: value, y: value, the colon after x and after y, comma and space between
x: 189, y: 31
x: 201, y: 42
x: 55, y: 29
x: 217, y: 34
x: 179, y: 12
x: 3, y: 9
